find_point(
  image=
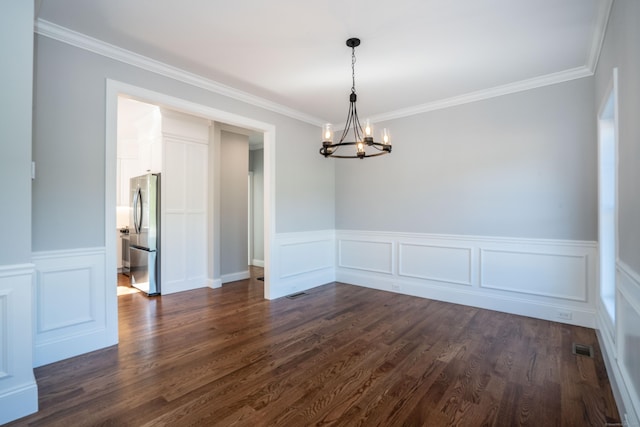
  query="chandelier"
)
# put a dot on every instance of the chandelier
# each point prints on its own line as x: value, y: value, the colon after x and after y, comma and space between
x: 362, y: 138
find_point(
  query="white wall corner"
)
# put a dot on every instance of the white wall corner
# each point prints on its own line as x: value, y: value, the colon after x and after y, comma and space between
x: 18, y: 388
x: 620, y: 357
x: 257, y: 262
x: 301, y: 261
x: 214, y: 283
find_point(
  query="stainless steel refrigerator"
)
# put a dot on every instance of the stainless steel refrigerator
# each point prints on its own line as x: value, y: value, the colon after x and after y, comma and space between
x: 144, y: 236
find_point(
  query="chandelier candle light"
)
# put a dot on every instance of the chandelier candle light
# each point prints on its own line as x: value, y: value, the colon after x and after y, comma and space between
x: 363, y: 139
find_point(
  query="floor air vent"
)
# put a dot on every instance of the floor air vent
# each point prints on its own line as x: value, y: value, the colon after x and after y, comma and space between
x: 297, y: 295
x: 582, y: 350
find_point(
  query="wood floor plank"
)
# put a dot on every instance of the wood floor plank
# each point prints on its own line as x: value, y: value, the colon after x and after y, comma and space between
x: 341, y: 355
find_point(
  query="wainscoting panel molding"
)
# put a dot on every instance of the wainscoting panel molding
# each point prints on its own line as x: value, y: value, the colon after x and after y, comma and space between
x: 18, y: 388
x: 368, y: 255
x: 301, y: 261
x: 72, y: 283
x: 438, y: 263
x: 542, y: 278
x: 71, y: 301
x: 537, y: 273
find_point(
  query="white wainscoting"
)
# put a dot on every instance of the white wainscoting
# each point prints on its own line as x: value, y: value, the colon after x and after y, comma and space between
x: 18, y: 389
x: 547, y: 279
x: 436, y: 263
x: 621, y: 349
x: 556, y: 275
x: 183, y: 254
x: 73, y: 304
x: 301, y: 261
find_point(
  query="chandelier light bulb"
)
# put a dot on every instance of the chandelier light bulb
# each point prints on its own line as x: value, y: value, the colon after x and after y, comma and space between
x: 368, y: 129
x: 385, y: 136
x: 327, y: 132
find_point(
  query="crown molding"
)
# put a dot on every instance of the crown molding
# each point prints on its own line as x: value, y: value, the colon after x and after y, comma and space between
x: 65, y: 35
x: 82, y: 41
x: 521, y: 86
x: 599, y: 32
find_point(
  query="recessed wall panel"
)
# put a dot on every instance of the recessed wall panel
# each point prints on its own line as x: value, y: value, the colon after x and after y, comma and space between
x: 69, y: 288
x: 304, y: 257
x: 174, y: 176
x: 372, y: 256
x: 536, y: 273
x: 439, y: 263
x: 197, y: 246
x: 173, y: 250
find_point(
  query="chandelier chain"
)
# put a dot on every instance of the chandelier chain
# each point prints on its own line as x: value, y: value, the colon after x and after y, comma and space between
x: 353, y: 70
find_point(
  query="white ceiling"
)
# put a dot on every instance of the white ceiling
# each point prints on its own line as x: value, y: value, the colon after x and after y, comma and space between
x: 414, y: 53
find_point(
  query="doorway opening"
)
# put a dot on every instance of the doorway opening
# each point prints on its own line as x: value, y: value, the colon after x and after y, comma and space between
x: 114, y: 89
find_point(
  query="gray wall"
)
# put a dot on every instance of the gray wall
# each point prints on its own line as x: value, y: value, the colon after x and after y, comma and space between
x: 622, y: 49
x: 521, y: 165
x: 256, y: 165
x: 69, y: 146
x: 16, y: 77
x: 234, y: 209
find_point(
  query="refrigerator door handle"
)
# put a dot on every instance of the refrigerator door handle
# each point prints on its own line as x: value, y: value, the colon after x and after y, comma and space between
x: 137, y: 211
x: 140, y: 208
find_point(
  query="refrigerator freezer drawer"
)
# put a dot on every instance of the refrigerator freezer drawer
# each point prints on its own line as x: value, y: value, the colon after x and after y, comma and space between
x: 143, y: 271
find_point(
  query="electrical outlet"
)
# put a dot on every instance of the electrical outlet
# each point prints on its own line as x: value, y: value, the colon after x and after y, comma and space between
x: 564, y: 315
x: 395, y: 287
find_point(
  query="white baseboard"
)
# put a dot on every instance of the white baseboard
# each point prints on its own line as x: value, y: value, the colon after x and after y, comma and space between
x: 232, y: 277
x: 542, y: 278
x: 182, y: 284
x: 19, y: 402
x: 257, y: 262
x: 214, y: 283
x: 302, y: 282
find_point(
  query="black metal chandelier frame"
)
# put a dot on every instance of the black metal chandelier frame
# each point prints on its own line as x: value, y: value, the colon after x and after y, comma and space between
x: 362, y: 139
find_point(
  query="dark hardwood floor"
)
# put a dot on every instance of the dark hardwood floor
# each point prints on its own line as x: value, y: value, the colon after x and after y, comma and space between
x: 340, y: 355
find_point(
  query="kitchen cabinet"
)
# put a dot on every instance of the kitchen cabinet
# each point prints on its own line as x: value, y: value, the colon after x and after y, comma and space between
x: 139, y: 144
x: 126, y: 169
x: 149, y: 156
x: 185, y: 143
